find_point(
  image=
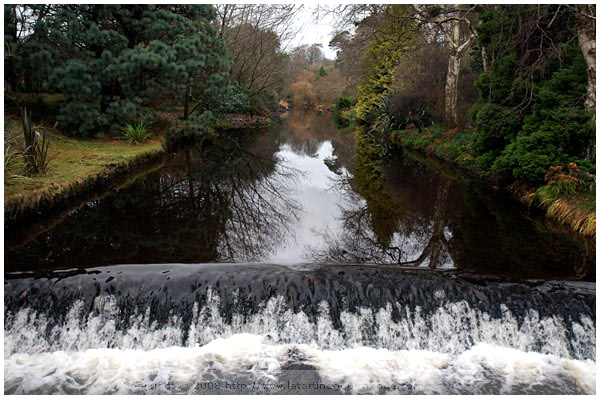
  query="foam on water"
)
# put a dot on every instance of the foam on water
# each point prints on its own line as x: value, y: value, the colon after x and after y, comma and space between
x: 249, y: 359
x: 455, y: 349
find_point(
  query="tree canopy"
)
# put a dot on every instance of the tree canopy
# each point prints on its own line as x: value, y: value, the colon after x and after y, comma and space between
x: 113, y: 61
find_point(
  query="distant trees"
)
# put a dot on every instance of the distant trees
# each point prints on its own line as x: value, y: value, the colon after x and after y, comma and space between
x: 363, y: 21
x: 302, y: 92
x: 256, y: 36
x: 321, y: 72
x: 314, y: 77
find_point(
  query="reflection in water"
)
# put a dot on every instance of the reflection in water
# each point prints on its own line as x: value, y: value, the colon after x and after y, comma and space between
x: 356, y: 241
x: 318, y: 204
x: 433, y: 249
x: 298, y: 193
x: 230, y: 206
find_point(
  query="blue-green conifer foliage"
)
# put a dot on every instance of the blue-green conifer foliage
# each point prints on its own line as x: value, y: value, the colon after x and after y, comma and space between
x: 111, y: 61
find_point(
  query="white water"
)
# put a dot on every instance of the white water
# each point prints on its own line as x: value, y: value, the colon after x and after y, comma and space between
x: 454, y: 350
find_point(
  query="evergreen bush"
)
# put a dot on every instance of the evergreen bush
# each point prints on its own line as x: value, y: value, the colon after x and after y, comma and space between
x: 530, y: 113
x: 343, y: 103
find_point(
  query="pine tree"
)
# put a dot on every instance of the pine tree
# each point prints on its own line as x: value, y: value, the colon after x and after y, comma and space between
x: 321, y: 73
x: 111, y: 60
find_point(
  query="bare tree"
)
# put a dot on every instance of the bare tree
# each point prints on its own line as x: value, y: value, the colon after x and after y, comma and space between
x: 257, y: 36
x: 355, y: 26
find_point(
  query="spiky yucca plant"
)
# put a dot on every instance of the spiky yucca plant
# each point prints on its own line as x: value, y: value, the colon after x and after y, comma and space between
x: 135, y: 133
x: 36, y: 147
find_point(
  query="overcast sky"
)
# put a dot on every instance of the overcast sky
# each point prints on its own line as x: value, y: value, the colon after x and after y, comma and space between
x: 312, y: 31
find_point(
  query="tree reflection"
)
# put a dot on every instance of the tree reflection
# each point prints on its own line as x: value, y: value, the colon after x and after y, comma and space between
x: 231, y: 205
x: 308, y: 130
x: 233, y: 202
x: 355, y: 241
x: 437, y: 242
x: 440, y: 223
x: 410, y: 243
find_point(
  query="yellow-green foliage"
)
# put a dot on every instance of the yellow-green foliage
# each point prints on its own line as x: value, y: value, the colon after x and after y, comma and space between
x: 369, y: 177
x: 397, y: 35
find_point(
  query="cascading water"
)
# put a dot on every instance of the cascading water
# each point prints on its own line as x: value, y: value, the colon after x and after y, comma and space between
x: 352, y: 321
x: 310, y: 329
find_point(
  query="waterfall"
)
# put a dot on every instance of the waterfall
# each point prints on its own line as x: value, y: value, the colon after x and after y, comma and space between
x: 234, y: 329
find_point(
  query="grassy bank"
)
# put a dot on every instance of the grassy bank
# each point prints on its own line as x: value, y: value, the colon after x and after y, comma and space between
x: 568, y: 202
x: 76, y: 165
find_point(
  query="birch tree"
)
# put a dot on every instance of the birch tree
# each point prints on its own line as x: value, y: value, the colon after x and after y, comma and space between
x: 586, y: 35
x: 453, y: 21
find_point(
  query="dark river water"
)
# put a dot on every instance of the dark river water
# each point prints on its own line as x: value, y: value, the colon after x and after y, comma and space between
x: 274, y: 262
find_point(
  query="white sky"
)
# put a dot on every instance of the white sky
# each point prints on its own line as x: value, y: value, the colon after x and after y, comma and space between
x: 313, y: 32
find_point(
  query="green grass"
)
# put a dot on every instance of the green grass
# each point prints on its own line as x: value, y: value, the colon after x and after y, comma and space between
x: 451, y: 146
x: 72, y: 161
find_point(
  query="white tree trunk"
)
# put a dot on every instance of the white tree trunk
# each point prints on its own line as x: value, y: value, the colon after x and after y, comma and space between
x: 588, y: 48
x: 449, y: 18
x: 586, y: 35
x: 485, y: 60
x: 451, y: 91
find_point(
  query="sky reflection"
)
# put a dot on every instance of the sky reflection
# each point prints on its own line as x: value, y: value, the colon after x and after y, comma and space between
x: 319, y: 200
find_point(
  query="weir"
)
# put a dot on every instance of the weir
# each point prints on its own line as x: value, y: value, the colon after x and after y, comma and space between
x: 342, y: 328
x: 262, y: 269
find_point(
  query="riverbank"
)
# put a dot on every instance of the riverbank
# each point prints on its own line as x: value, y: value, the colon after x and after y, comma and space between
x: 574, y: 209
x: 77, y: 166
x: 81, y: 167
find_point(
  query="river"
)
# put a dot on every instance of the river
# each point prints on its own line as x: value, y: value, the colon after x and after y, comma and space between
x: 273, y: 262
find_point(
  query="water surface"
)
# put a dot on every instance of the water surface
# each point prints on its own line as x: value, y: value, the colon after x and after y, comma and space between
x: 289, y: 195
x: 276, y: 261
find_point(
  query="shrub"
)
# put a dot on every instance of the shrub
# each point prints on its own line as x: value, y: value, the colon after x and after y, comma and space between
x: 559, y: 128
x: 497, y: 126
x: 344, y: 113
x: 530, y: 113
x: 135, y: 133
x: 343, y: 103
x: 36, y: 147
x: 238, y: 103
x: 399, y: 110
